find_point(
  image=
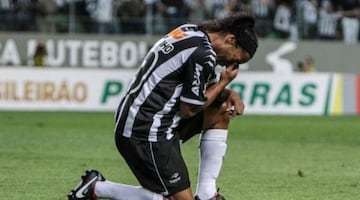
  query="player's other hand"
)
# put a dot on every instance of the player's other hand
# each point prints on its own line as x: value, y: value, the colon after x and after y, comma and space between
x: 230, y: 72
x: 235, y: 104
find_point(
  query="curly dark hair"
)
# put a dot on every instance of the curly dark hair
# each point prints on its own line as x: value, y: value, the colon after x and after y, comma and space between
x: 239, y: 24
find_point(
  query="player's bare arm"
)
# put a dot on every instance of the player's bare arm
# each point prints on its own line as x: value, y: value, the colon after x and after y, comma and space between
x: 187, y: 110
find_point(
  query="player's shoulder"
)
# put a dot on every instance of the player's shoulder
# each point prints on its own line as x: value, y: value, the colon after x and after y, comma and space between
x: 194, y: 33
x: 191, y: 28
x: 186, y: 32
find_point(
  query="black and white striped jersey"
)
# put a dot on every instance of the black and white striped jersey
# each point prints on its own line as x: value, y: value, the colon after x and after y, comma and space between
x: 177, y: 68
x: 327, y: 23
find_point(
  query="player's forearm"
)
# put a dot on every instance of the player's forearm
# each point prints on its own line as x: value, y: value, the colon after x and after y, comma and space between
x: 214, y: 91
x: 187, y: 110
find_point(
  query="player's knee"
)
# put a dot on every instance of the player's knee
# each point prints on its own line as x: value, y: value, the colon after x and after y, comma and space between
x: 217, y: 118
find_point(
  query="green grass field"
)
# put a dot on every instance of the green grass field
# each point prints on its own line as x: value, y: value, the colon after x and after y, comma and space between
x: 43, y: 154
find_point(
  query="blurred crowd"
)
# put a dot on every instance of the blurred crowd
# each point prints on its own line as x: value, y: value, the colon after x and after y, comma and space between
x: 300, y: 19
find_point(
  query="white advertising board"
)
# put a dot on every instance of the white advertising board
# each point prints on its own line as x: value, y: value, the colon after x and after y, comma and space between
x: 101, y: 90
x: 270, y: 93
x: 62, y: 88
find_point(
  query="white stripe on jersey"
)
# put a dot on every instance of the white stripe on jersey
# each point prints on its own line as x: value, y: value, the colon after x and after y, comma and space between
x: 157, y: 118
x: 139, y: 110
x: 192, y: 101
x: 162, y: 71
x: 129, y: 92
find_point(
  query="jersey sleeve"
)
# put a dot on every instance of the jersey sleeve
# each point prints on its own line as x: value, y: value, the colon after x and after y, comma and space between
x: 198, y: 72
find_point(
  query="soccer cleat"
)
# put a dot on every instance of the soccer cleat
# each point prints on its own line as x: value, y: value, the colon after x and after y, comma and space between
x: 85, y: 189
x: 216, y: 197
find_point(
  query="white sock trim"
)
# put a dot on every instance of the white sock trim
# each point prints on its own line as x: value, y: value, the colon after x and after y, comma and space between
x: 215, y: 134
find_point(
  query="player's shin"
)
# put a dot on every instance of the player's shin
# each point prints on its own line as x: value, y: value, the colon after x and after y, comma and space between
x: 212, y: 151
x: 116, y: 191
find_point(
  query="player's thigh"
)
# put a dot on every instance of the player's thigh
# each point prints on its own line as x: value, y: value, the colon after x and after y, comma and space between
x: 217, y: 116
x: 191, y: 127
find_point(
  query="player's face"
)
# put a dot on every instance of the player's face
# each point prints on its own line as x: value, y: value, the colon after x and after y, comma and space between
x: 232, y: 54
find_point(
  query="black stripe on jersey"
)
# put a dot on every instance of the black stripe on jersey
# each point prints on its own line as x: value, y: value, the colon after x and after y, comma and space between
x: 152, y: 106
x: 202, y: 64
x: 155, y: 101
x: 161, y: 58
x: 148, y: 66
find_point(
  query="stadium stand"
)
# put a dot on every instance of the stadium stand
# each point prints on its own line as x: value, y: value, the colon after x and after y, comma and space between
x: 311, y: 18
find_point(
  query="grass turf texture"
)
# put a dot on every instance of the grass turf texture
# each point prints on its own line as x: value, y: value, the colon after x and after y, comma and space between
x: 43, y: 154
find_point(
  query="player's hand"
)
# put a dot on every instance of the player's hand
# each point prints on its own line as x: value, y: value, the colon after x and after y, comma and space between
x: 235, y: 104
x: 230, y: 72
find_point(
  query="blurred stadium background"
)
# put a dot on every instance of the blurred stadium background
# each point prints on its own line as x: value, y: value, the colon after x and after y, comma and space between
x: 79, y: 55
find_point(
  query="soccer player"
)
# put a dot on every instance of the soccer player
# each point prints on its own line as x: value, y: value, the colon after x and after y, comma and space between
x: 174, y: 95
